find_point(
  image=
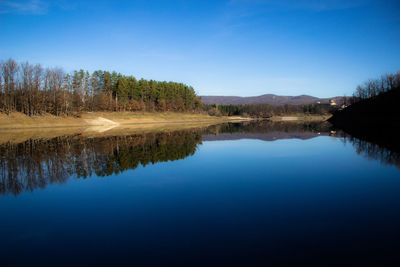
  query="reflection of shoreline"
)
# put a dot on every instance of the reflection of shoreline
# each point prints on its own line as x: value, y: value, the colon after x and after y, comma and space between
x: 273, y: 136
x: 36, y: 162
x: 255, y: 126
x: 374, y: 141
x: 374, y: 151
x: 21, y: 135
x: 270, y: 131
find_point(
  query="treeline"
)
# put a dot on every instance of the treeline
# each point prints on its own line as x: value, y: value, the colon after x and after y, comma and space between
x: 265, y: 110
x: 34, y: 90
x: 373, y: 88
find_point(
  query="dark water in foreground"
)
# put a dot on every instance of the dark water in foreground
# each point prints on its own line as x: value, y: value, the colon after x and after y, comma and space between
x: 237, y: 194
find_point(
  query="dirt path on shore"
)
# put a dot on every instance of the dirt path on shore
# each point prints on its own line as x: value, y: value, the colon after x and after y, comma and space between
x: 100, y: 121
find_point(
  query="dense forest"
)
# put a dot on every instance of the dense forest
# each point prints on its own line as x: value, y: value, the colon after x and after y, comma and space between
x: 34, y: 90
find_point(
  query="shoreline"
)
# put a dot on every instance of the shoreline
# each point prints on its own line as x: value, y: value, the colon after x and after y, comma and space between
x: 19, y: 121
x: 18, y: 127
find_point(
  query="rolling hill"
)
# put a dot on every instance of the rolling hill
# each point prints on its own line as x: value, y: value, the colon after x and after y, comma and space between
x: 266, y: 99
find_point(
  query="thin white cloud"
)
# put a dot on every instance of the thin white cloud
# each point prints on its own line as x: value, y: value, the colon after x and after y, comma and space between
x: 36, y: 7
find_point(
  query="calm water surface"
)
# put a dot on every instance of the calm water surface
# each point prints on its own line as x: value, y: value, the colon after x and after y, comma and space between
x: 236, y: 194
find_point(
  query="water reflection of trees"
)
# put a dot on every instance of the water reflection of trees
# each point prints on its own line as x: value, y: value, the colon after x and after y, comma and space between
x: 386, y: 155
x: 386, y: 151
x: 36, y: 163
x: 265, y: 126
x: 269, y: 131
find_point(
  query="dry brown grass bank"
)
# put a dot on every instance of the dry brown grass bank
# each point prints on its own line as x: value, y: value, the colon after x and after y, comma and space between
x: 18, y: 120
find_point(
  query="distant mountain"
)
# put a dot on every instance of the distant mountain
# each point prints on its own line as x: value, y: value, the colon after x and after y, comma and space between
x: 266, y: 99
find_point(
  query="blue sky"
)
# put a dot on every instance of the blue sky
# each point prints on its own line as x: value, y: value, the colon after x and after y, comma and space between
x: 235, y: 47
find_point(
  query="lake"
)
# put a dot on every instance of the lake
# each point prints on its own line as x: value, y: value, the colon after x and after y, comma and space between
x: 255, y: 193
